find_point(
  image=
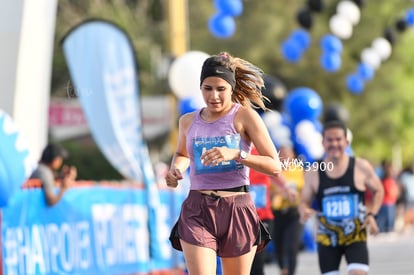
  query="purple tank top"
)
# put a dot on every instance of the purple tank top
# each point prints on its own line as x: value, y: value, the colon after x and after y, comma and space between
x: 202, y: 136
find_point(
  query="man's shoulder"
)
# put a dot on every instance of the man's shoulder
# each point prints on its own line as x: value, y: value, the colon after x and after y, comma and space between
x: 41, y: 171
x: 362, y: 163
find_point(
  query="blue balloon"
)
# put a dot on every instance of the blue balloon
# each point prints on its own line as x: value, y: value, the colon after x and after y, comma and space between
x: 330, y: 43
x: 303, y: 152
x: 286, y: 120
x: 291, y: 50
x: 355, y: 84
x: 318, y: 125
x: 365, y: 71
x: 349, y: 151
x: 303, y: 103
x: 331, y: 62
x: 287, y: 103
x: 222, y: 26
x: 301, y: 37
x: 187, y: 105
x: 409, y: 17
x: 229, y: 7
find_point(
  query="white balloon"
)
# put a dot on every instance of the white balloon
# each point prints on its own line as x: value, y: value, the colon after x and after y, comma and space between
x: 350, y: 11
x: 349, y: 135
x: 313, y: 138
x: 303, y: 129
x: 199, y: 100
x: 314, y: 144
x: 272, y: 119
x: 281, y: 135
x: 316, y: 150
x: 281, y: 132
x: 184, y: 73
x: 370, y: 56
x: 383, y: 47
x: 285, y: 143
x: 340, y: 26
x: 310, y: 138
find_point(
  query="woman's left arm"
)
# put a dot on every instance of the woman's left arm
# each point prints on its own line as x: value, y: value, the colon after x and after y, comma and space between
x: 251, y: 127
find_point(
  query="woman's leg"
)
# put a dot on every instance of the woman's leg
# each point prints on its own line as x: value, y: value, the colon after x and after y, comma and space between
x: 238, y: 265
x: 199, y: 260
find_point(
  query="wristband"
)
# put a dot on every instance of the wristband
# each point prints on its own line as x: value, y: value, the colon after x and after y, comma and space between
x: 242, y: 156
x: 370, y: 214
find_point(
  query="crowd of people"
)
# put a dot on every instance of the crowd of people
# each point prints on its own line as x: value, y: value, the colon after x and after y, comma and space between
x: 397, y: 210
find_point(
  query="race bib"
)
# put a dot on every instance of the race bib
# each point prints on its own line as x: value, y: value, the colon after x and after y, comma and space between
x: 202, y: 144
x: 259, y: 195
x: 338, y: 207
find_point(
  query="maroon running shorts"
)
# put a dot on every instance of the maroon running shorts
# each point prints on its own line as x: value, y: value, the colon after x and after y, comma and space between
x: 228, y: 225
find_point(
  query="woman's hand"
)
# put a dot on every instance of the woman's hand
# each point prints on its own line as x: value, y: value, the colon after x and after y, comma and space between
x: 215, y: 155
x: 173, y: 176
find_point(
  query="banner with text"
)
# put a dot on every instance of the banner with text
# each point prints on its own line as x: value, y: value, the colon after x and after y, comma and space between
x: 93, y: 230
x: 102, y: 65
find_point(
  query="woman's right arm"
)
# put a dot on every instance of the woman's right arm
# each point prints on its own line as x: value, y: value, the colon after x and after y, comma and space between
x: 180, y: 160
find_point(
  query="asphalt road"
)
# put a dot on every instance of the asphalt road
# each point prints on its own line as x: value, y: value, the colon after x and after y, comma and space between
x: 390, y: 254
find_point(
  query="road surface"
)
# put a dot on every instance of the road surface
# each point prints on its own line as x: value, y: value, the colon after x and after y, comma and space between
x: 390, y: 254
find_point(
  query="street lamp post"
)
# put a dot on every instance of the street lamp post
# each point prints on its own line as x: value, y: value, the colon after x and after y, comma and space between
x: 177, y: 37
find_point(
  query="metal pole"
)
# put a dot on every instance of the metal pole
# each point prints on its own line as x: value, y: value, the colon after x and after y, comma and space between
x: 177, y: 37
x: 177, y: 26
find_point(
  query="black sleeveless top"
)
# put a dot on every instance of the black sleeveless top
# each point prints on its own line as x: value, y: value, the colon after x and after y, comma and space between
x: 343, y: 184
x: 341, y: 209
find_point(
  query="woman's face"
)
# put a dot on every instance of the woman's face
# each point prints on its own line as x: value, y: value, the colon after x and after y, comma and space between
x: 217, y: 94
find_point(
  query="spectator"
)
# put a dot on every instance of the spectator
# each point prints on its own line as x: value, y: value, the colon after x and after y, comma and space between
x: 407, y: 182
x: 387, y: 213
x: 47, y: 172
x: 287, y: 229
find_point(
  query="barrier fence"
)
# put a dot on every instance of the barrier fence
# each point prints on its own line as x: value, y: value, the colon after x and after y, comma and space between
x: 97, y: 228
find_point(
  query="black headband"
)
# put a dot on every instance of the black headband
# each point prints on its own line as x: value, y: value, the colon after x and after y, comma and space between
x: 218, y: 71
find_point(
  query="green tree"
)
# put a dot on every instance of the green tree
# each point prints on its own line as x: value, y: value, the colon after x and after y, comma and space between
x: 381, y: 116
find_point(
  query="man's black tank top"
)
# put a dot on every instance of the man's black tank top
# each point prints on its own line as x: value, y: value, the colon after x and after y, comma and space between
x: 344, y: 183
x: 341, y: 209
